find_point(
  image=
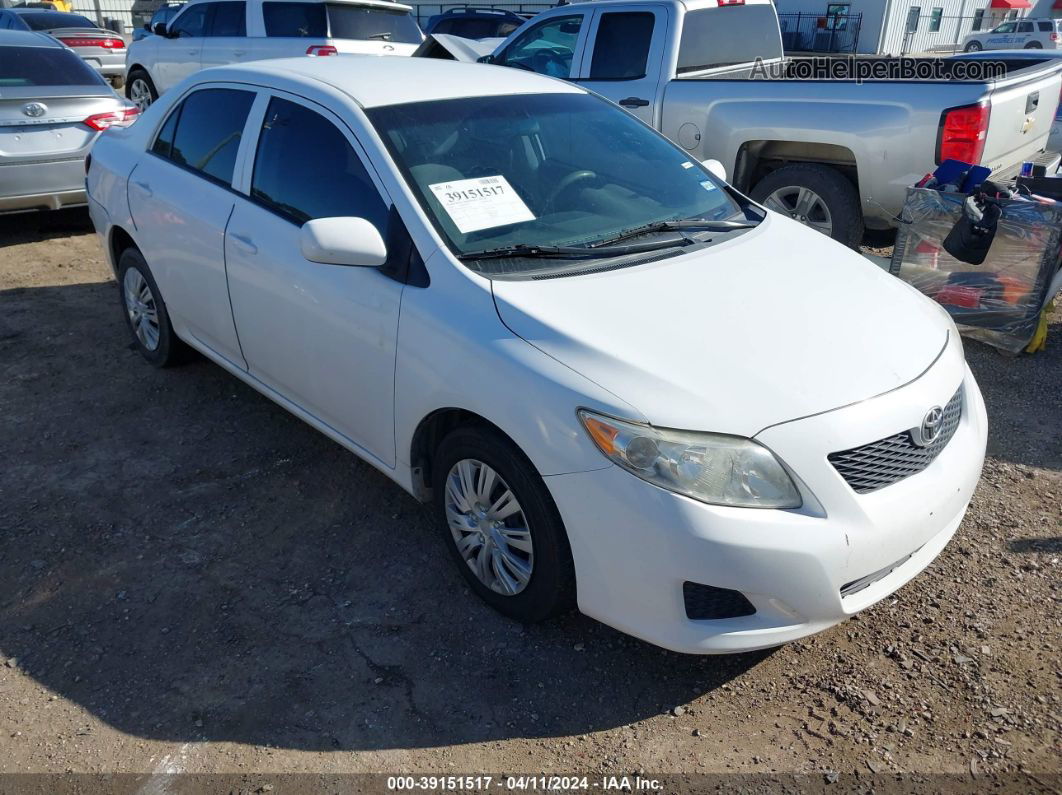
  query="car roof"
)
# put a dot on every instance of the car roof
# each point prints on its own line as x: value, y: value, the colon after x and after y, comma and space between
x: 375, y: 80
x: 27, y: 38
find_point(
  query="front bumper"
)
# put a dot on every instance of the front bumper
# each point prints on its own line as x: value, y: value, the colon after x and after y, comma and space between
x: 47, y: 185
x: 634, y: 544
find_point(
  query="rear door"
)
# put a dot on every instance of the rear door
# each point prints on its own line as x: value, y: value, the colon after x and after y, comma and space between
x: 181, y: 197
x: 624, y: 57
x: 180, y: 52
x: 226, y: 34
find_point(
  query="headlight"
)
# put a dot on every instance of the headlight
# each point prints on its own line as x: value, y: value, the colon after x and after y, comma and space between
x: 712, y: 468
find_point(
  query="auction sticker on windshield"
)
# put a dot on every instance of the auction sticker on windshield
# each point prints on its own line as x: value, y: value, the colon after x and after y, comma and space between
x: 481, y: 203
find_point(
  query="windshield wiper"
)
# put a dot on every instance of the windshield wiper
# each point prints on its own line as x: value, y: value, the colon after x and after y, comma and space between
x: 673, y: 226
x: 572, y: 252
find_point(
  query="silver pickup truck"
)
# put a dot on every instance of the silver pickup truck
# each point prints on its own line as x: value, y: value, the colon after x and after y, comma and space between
x: 812, y: 138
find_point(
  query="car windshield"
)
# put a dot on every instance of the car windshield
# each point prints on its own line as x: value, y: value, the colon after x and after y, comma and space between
x: 370, y: 22
x: 44, y: 66
x: 51, y: 20
x: 563, y: 169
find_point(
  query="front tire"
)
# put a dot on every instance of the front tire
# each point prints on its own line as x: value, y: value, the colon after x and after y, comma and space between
x: 501, y: 525
x: 816, y: 196
x: 140, y: 90
x: 973, y: 46
x: 145, y: 312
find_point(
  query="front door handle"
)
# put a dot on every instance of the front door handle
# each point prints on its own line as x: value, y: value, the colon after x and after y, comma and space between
x: 144, y: 187
x: 634, y: 102
x: 244, y: 243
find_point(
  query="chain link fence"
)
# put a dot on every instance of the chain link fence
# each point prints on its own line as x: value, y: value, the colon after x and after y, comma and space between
x: 934, y: 34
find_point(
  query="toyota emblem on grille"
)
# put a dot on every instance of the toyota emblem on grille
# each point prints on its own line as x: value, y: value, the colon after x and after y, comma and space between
x: 34, y: 109
x: 929, y: 430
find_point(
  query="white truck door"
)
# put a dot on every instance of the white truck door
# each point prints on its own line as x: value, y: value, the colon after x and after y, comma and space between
x: 179, y: 54
x: 548, y: 47
x: 624, y: 56
x: 226, y: 35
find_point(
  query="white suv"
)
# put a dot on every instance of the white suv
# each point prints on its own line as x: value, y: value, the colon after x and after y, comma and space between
x: 218, y: 32
x: 1016, y: 34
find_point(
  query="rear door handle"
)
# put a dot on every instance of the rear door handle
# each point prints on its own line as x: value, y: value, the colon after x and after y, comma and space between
x: 634, y: 102
x: 238, y: 53
x: 144, y: 187
x: 244, y: 243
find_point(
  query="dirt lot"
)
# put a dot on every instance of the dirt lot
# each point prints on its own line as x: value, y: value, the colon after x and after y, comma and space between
x: 193, y: 580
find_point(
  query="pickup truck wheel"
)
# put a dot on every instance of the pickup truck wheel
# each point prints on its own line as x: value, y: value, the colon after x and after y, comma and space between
x: 817, y: 196
x: 145, y: 312
x: 973, y: 46
x: 140, y: 90
x: 501, y: 525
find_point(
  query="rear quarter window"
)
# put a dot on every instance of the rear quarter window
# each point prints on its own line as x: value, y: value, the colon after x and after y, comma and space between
x: 295, y: 20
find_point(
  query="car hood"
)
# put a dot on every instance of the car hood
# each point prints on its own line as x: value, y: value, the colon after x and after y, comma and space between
x: 775, y: 324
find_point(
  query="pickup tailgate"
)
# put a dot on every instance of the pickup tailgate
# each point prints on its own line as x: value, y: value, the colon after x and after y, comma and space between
x: 1023, y: 110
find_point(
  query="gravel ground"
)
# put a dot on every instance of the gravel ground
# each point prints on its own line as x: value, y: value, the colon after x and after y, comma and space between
x: 193, y: 580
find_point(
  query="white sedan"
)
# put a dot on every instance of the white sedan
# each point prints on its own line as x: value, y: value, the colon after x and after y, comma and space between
x: 621, y: 384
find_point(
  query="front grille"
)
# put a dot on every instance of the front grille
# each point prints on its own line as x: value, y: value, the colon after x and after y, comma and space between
x: 886, y: 461
x: 708, y: 602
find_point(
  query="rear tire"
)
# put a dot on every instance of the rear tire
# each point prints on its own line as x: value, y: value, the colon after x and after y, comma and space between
x: 1034, y: 45
x: 140, y: 90
x: 973, y: 46
x: 542, y: 549
x: 145, y: 312
x: 834, y: 201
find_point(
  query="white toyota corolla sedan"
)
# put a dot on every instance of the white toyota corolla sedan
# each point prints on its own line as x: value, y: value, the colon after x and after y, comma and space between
x: 622, y: 384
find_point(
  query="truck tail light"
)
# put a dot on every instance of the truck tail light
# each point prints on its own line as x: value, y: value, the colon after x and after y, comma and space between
x: 731, y: 3
x: 317, y: 50
x: 962, y: 133
x: 112, y: 118
x: 88, y: 41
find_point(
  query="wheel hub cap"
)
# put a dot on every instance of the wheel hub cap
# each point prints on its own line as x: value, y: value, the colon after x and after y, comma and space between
x: 140, y: 306
x: 489, y: 527
x: 803, y: 205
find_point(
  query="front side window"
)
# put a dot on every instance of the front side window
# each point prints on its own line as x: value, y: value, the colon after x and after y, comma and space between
x: 547, y: 48
x: 229, y: 19
x: 206, y: 132
x: 549, y: 170
x: 295, y: 20
x: 191, y: 24
x: 305, y: 168
x: 44, y: 66
x: 1006, y: 27
x: 621, y: 48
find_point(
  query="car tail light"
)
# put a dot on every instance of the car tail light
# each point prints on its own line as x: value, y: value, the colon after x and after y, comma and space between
x: 1054, y: 37
x: 88, y: 41
x: 112, y: 118
x: 315, y: 50
x: 962, y: 134
x: 731, y: 3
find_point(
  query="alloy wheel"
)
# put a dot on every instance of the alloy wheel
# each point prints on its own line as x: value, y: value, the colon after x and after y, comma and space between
x: 803, y: 205
x: 143, y: 312
x: 489, y: 527
x: 140, y: 93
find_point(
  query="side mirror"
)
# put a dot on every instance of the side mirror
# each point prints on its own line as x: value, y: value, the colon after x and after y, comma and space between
x: 159, y: 29
x: 715, y: 168
x: 342, y: 241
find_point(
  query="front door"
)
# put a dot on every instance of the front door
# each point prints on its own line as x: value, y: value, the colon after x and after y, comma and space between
x: 226, y: 34
x: 179, y: 53
x: 323, y: 336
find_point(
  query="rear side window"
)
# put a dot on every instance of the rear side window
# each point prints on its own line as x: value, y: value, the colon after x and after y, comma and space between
x: 728, y: 35
x: 347, y: 21
x: 1025, y: 27
x: 229, y: 19
x: 306, y: 169
x: 192, y: 23
x: 295, y: 20
x: 206, y: 134
x: 44, y: 66
x: 621, y: 50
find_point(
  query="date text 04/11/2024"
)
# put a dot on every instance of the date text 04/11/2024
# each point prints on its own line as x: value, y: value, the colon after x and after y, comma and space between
x: 522, y: 783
